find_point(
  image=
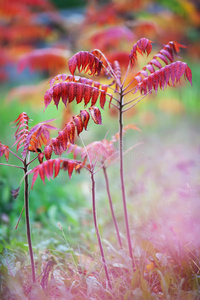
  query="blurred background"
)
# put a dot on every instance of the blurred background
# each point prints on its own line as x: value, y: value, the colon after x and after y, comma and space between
x: 37, y: 37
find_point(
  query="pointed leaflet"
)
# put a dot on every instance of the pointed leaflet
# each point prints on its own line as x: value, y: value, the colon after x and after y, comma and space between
x: 4, y: 150
x: 48, y: 151
x: 46, y: 168
x: 70, y: 128
x: 161, y: 78
x: 85, y: 61
x: 39, y: 135
x: 142, y: 46
x: 95, y: 114
x: 85, y: 118
x: 78, y: 123
x: 22, y: 131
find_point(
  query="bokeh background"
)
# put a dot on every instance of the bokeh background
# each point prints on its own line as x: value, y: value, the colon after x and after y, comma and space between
x: 37, y: 37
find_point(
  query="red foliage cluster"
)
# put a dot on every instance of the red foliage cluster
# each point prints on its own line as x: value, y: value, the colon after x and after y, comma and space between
x: 85, y: 61
x: 4, y: 150
x: 161, y: 78
x: 142, y: 46
x: 52, y: 167
x: 79, y: 88
x: 49, y: 59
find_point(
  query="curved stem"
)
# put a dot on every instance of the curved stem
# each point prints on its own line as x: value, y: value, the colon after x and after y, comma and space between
x: 97, y: 229
x: 15, y: 155
x: 122, y: 179
x: 111, y: 206
x: 28, y: 230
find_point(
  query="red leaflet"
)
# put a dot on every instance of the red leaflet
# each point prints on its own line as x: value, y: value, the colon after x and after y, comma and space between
x: 87, y: 94
x: 57, y: 163
x: 4, y: 150
x: 95, y: 114
x: 161, y: 78
x: 21, y: 134
x: 79, y: 92
x: 142, y: 46
x: 57, y: 93
x: 85, y: 61
x: 47, y: 168
x: 85, y: 118
x: 48, y: 152
x: 78, y: 123
x: 71, y: 90
x: 37, y: 136
x: 75, y: 149
x: 41, y: 157
x: 70, y: 128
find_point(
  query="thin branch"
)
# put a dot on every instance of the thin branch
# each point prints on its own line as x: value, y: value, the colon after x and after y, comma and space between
x: 11, y: 166
x: 111, y: 206
x: 19, y: 217
x: 128, y: 85
x: 15, y: 155
x: 97, y: 230
x: 127, y: 70
x: 131, y: 100
x: 133, y: 104
x: 32, y: 160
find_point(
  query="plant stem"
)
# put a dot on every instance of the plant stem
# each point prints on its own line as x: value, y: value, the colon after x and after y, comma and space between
x: 122, y: 178
x: 28, y: 231
x: 111, y: 206
x: 97, y: 229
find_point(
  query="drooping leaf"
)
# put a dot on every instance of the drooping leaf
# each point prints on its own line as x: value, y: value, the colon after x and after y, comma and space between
x: 165, y: 55
x: 142, y: 46
x: 85, y: 61
x: 53, y: 166
x: 95, y: 114
x: 79, y: 90
x: 15, y: 192
x: 161, y: 78
x: 85, y: 118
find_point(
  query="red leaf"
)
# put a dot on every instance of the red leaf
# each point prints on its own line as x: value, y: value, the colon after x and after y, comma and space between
x: 41, y: 157
x: 95, y: 114
x: 87, y: 94
x: 70, y: 128
x: 48, y: 152
x: 85, y: 61
x: 56, y: 167
x: 78, y: 123
x: 21, y: 135
x: 143, y: 45
x: 72, y: 91
x: 79, y: 92
x: 64, y: 92
x: 4, y: 150
x: 85, y: 118
x: 57, y: 93
x: 95, y: 96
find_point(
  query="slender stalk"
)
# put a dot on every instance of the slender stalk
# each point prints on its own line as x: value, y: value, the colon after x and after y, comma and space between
x: 8, y: 165
x: 28, y: 230
x: 97, y: 229
x: 111, y: 206
x: 122, y: 179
